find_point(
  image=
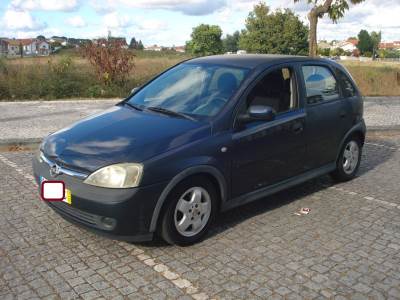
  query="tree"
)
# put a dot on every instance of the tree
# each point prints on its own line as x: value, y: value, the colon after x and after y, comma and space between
x: 21, y: 49
x: 324, y: 51
x: 206, y: 40
x: 365, y: 44
x: 133, y: 44
x: 140, y: 45
x: 389, y: 53
x: 376, y: 38
x: 111, y: 61
x: 231, y: 42
x: 335, y: 10
x: 281, y: 32
x: 338, y: 52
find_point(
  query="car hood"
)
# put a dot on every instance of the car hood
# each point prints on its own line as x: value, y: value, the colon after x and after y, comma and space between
x: 120, y: 134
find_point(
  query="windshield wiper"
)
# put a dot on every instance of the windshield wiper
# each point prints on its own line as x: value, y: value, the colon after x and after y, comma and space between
x: 169, y: 112
x: 133, y: 106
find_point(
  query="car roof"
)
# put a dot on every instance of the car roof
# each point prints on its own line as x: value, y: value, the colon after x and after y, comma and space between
x: 251, y: 60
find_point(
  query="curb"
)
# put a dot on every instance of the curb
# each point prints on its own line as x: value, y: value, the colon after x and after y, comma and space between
x: 383, y: 128
x: 20, y: 144
x: 65, y: 101
x: 382, y: 100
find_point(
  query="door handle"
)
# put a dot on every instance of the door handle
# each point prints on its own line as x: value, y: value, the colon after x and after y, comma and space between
x: 297, y: 128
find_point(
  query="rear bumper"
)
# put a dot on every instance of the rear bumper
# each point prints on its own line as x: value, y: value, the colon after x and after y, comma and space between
x: 123, y: 214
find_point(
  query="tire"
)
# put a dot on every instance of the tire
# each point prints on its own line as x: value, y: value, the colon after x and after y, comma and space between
x: 349, y: 160
x: 194, y: 200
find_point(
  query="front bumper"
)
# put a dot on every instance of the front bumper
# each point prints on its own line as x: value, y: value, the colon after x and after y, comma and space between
x: 123, y: 214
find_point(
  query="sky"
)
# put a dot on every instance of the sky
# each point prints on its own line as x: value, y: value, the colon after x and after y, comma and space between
x: 170, y: 22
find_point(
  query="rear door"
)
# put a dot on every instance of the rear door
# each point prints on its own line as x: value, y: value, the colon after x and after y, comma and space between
x: 328, y: 114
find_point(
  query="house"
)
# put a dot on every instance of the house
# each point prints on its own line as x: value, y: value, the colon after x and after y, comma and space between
x: 42, y: 48
x: 390, y: 45
x: 349, y: 46
x: 3, y: 47
x: 78, y: 42
x: 181, y: 49
x: 324, y: 45
x: 14, y: 47
x: 62, y: 40
x: 29, y: 47
x: 121, y: 41
x: 153, y: 48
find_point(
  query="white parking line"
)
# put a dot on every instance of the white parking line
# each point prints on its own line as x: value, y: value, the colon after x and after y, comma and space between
x: 164, y: 270
x: 16, y: 168
x: 368, y: 198
x: 382, y: 146
x: 181, y: 283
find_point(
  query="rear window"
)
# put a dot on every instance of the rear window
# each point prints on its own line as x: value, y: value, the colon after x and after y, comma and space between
x: 347, y: 86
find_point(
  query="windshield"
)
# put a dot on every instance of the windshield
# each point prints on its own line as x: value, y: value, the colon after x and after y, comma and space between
x: 191, y: 89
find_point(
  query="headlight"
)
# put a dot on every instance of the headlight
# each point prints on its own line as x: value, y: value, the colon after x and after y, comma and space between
x: 117, y: 176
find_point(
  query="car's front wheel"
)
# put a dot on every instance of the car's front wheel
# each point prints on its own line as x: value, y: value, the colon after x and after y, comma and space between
x: 190, y: 209
x: 349, y: 160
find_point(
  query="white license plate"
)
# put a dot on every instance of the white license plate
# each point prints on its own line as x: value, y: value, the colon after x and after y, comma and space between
x: 67, y: 198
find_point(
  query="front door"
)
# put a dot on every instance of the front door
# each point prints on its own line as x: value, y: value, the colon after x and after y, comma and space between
x: 265, y: 153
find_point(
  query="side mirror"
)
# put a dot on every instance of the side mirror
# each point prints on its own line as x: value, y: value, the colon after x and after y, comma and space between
x: 258, y: 113
x: 134, y: 90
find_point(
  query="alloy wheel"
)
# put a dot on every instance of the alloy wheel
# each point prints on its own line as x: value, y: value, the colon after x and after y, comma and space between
x: 192, y: 211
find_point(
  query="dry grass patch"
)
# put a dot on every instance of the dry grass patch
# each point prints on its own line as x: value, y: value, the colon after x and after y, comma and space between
x: 70, y: 76
x: 376, y: 78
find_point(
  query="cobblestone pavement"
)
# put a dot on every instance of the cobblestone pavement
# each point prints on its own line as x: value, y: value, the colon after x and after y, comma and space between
x: 382, y: 112
x: 33, y: 120
x: 348, y: 247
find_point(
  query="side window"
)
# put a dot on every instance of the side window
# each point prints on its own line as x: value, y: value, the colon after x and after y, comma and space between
x: 347, y: 86
x: 276, y: 89
x: 320, y: 84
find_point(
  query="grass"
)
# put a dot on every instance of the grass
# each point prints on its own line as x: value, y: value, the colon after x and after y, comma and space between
x: 67, y: 75
x: 376, y: 78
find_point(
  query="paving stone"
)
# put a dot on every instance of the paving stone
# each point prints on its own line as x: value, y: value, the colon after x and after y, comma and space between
x: 346, y: 248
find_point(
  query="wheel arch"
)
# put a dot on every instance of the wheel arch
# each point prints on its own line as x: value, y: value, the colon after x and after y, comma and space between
x: 213, y: 173
x: 358, y: 130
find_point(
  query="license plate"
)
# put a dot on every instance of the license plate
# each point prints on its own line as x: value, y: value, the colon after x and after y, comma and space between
x: 67, y: 198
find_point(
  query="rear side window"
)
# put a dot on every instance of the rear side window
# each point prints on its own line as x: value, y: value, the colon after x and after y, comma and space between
x: 320, y: 84
x: 347, y: 86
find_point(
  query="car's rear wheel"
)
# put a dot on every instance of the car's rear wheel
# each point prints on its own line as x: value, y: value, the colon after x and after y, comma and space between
x: 349, y: 160
x: 190, y: 209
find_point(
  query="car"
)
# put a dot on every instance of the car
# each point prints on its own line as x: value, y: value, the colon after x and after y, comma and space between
x: 207, y: 135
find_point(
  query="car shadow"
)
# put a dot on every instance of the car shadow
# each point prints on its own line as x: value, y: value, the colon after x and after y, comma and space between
x: 376, y: 152
x: 229, y: 219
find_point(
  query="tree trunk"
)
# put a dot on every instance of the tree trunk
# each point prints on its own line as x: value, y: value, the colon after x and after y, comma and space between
x: 313, y: 46
x: 313, y: 15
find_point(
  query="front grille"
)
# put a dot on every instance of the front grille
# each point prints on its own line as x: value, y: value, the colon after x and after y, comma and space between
x: 76, y: 214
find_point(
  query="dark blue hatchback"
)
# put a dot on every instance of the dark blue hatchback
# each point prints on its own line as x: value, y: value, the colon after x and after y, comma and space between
x: 205, y: 136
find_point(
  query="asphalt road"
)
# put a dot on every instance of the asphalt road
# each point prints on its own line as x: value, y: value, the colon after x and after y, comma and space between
x: 33, y: 120
x: 347, y: 247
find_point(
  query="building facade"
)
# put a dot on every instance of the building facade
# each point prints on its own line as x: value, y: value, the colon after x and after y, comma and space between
x: 3, y: 47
